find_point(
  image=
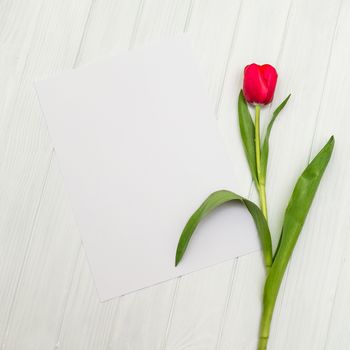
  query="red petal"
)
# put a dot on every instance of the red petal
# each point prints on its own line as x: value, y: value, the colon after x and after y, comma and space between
x: 255, y: 89
x: 269, y: 75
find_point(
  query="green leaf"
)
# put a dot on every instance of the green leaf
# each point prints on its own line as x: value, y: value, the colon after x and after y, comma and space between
x: 265, y: 147
x: 246, y: 127
x: 215, y: 200
x: 294, y: 218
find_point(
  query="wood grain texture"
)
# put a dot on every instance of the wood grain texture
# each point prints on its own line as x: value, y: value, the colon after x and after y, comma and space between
x: 16, y: 197
x: 53, y: 43
x: 318, y: 264
x: 335, y: 225
x: 298, y: 292
x: 47, y: 294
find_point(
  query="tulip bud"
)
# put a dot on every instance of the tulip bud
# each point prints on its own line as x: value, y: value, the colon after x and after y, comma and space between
x: 259, y: 83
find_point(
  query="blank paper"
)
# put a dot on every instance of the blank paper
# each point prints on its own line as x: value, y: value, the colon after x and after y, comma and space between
x: 139, y: 150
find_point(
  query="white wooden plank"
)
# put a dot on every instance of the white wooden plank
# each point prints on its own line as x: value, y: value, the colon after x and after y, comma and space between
x: 334, y: 119
x: 56, y: 38
x: 313, y: 280
x: 302, y: 73
x: 142, y: 318
x: 109, y: 29
x: 198, y: 308
x: 86, y: 322
x: 18, y: 200
x: 212, y: 29
x: 40, y: 297
x: 160, y: 20
x: 241, y: 317
x: 17, y: 20
x: 338, y: 331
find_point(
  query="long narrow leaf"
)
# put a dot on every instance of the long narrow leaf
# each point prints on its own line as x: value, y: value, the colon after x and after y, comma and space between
x: 294, y: 218
x: 246, y: 127
x: 265, y: 147
x: 215, y: 200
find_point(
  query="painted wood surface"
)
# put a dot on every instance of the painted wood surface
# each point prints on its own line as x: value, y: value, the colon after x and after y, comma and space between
x: 47, y: 296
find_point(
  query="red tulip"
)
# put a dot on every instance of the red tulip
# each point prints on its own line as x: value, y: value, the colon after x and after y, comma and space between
x: 259, y: 83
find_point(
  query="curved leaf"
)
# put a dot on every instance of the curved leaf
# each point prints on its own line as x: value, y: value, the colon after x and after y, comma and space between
x: 246, y: 127
x: 265, y: 147
x: 215, y: 200
x: 294, y: 218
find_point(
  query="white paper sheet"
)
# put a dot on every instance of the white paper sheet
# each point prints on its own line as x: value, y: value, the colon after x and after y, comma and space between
x: 139, y: 150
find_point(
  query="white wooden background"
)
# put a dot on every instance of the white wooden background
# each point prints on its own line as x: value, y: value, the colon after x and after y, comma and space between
x: 47, y: 296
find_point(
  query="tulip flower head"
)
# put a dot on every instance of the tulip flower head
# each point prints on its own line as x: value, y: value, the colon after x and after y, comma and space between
x: 259, y: 83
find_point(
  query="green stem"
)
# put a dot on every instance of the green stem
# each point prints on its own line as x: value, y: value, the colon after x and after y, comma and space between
x: 262, y: 343
x: 261, y: 179
x: 267, y: 309
x: 265, y: 324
